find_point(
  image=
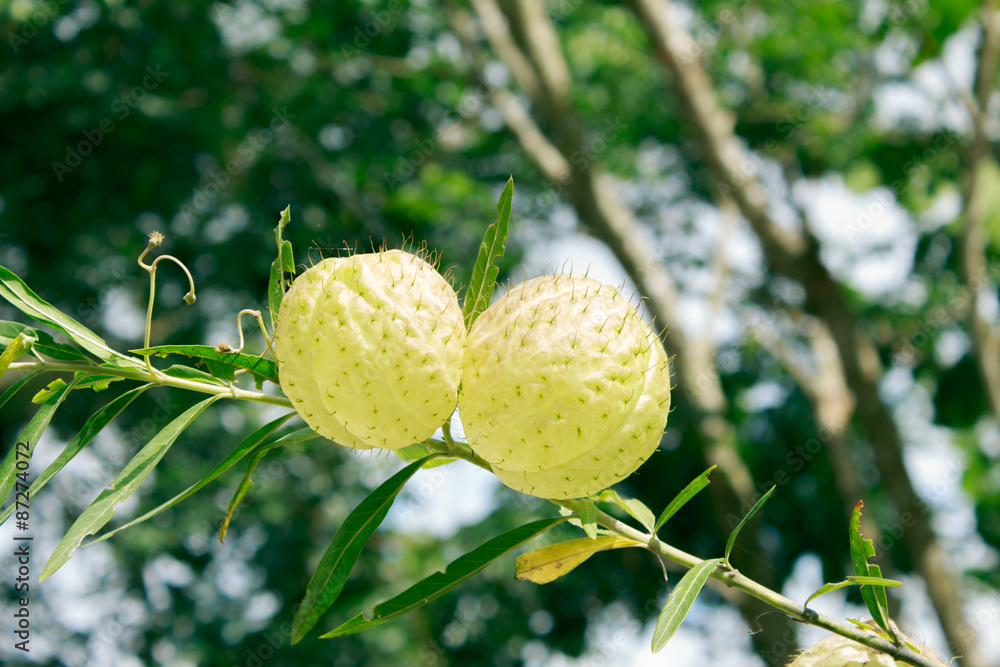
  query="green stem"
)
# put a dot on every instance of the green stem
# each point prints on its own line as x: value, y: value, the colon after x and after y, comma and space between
x: 157, y: 378
x: 730, y: 577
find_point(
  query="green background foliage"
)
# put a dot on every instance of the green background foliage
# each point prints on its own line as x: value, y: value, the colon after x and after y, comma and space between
x: 374, y: 122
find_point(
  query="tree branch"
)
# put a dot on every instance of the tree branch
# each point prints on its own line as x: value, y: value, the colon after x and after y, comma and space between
x: 798, y: 258
x: 974, y: 239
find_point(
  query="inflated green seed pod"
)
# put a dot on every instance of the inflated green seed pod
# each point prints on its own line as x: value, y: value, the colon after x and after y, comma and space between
x: 369, y: 349
x: 565, y: 389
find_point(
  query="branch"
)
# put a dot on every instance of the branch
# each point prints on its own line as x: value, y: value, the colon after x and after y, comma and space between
x: 973, y: 241
x: 158, y: 378
x: 798, y: 258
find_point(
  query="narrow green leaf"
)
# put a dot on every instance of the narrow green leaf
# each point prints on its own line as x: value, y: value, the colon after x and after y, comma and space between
x: 242, y: 449
x: 241, y: 492
x: 222, y: 365
x: 15, y: 349
x: 681, y: 600
x: 44, y: 342
x: 484, y: 273
x: 419, y: 450
x: 689, y: 492
x: 861, y: 550
x: 635, y: 507
x: 588, y: 517
x: 84, y: 380
x: 29, y: 435
x: 49, y: 391
x: 90, y: 429
x: 284, y: 263
x: 555, y: 560
x: 14, y: 388
x: 440, y: 583
x: 852, y: 581
x: 124, y: 485
x: 256, y: 455
x: 21, y: 297
x: 753, y: 510
x: 339, y: 558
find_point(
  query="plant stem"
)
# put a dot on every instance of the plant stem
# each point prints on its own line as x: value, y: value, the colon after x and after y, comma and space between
x: 157, y: 378
x: 728, y: 576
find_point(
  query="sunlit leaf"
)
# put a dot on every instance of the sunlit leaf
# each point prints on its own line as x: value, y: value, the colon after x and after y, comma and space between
x: 339, y: 558
x: 21, y: 297
x: 284, y: 263
x: 29, y: 436
x: 222, y: 365
x: 440, y: 583
x: 484, y: 273
x: 861, y: 550
x: 90, y: 429
x: 553, y: 561
x: 242, y: 449
x: 17, y: 347
x: 681, y: 600
x: 852, y: 581
x: 686, y: 494
x: 588, y: 517
x: 635, y: 507
x: 256, y: 454
x: 753, y: 510
x: 124, y: 485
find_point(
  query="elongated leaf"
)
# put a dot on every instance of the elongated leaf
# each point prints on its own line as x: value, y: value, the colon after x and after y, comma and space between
x: 689, y: 492
x: 439, y: 583
x: 124, y: 485
x: 242, y: 449
x: 222, y: 365
x: 90, y: 429
x: 17, y: 348
x: 30, y: 435
x: 588, y: 517
x: 255, y: 456
x: 753, y: 510
x: 21, y: 297
x: 635, y: 507
x: 284, y: 263
x: 44, y: 342
x: 681, y: 600
x: 43, y: 395
x: 553, y: 561
x: 418, y: 451
x: 484, y: 273
x: 241, y: 492
x: 339, y: 558
x: 861, y: 550
x: 14, y: 388
x: 852, y: 581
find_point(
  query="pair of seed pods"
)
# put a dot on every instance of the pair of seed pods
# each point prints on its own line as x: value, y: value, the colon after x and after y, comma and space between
x: 560, y: 384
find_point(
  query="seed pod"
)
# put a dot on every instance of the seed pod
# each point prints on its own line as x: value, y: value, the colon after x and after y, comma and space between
x: 838, y: 651
x: 369, y: 349
x: 565, y: 389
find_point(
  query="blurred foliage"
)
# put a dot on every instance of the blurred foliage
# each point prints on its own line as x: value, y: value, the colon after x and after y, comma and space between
x: 203, y: 121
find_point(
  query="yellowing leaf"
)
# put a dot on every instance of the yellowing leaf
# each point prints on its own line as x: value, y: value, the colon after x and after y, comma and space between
x: 549, y: 563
